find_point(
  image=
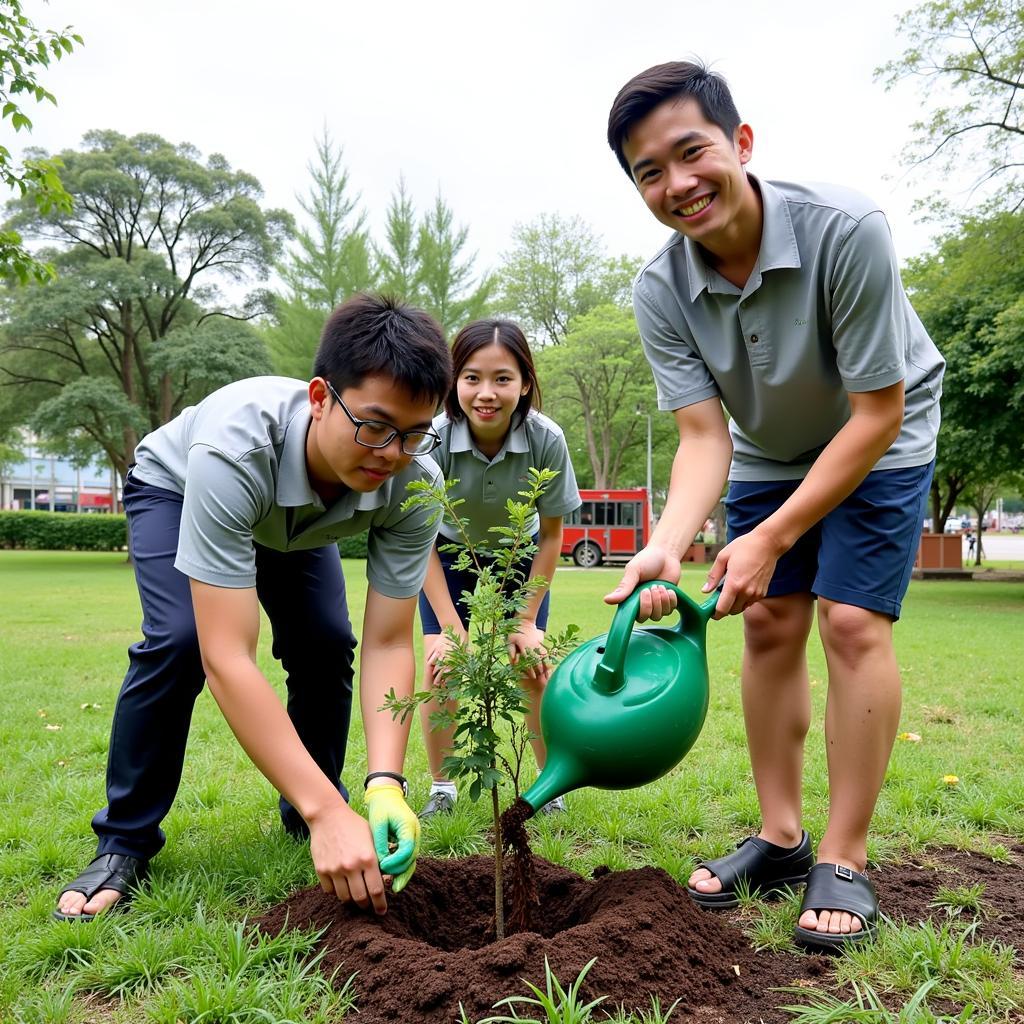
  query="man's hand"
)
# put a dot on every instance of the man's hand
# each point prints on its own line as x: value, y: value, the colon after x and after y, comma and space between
x: 393, y: 821
x: 747, y: 565
x: 652, y: 563
x: 344, y: 858
x: 528, y: 637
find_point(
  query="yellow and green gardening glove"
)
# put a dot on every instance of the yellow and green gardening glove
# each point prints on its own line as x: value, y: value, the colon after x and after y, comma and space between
x: 393, y: 821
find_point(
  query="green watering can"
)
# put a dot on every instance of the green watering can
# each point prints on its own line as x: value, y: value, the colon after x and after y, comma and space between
x: 625, y: 707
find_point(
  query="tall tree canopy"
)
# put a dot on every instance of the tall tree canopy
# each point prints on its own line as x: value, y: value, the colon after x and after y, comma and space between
x: 135, y: 326
x: 969, y: 58
x: 331, y: 258
x: 970, y: 294
x: 598, y: 387
x: 446, y: 283
x: 556, y: 269
x: 24, y: 51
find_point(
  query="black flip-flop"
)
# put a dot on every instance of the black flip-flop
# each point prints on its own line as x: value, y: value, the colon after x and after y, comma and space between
x: 835, y: 887
x: 114, y: 871
x: 766, y: 868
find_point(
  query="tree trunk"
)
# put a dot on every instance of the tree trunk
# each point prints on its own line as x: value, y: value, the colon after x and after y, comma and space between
x: 499, y: 902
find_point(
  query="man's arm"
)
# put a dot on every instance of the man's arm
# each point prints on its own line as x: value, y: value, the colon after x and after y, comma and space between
x: 699, y: 472
x: 387, y: 661
x: 341, y: 846
x: 749, y: 561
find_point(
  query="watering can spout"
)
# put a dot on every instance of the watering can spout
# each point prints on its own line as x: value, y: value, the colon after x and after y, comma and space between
x: 561, y: 775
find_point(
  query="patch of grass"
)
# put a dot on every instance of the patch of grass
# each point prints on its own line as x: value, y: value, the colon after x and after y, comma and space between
x: 183, y: 949
x: 957, y: 899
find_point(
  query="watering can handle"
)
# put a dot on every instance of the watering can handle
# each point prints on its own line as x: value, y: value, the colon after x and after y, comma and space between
x: 608, y: 676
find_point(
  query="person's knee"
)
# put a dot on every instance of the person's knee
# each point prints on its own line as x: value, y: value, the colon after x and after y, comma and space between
x: 852, y: 634
x: 773, y: 626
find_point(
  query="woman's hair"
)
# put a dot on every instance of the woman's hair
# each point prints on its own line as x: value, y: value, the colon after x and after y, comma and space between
x: 477, y: 335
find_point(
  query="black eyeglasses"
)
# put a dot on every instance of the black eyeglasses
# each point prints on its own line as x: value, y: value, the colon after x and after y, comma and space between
x: 377, y: 434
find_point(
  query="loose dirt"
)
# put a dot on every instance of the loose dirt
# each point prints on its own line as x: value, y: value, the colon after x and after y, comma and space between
x: 434, y: 948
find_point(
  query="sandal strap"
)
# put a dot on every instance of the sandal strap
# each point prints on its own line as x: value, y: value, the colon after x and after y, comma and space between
x: 835, y: 887
x: 115, y: 871
x: 759, y: 863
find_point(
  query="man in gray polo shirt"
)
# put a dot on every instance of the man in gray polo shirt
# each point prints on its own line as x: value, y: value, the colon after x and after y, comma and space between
x: 238, y: 502
x: 783, y: 303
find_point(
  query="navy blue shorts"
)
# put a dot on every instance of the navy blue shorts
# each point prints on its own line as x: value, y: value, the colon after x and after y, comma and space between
x: 458, y: 582
x: 861, y: 553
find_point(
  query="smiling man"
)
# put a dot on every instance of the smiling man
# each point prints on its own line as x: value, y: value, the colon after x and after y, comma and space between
x: 783, y: 303
x: 238, y: 502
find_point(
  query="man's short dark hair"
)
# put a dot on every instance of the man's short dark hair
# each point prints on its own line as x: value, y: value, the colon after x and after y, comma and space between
x: 371, y: 335
x: 677, y: 80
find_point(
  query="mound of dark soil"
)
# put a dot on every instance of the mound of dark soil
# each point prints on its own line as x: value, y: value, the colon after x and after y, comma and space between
x: 434, y: 949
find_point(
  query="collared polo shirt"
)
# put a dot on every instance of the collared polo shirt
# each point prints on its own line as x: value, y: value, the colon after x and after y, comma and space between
x: 239, y: 460
x: 823, y: 313
x: 486, y: 484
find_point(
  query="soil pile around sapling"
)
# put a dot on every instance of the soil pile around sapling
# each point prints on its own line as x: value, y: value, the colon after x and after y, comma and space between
x: 434, y: 948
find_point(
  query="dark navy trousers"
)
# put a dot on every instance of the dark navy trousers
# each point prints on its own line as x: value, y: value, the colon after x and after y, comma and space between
x: 303, y: 594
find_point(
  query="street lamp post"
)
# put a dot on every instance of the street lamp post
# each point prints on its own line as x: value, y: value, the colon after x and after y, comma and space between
x: 650, y: 475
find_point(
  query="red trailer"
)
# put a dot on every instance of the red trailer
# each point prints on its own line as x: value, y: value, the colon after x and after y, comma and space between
x: 610, y: 525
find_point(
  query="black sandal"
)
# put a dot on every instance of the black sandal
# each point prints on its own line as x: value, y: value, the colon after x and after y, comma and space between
x: 114, y: 871
x: 768, y: 870
x: 835, y: 887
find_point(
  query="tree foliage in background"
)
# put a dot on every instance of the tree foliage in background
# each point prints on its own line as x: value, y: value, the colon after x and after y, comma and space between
x: 969, y: 58
x: 397, y: 261
x: 970, y: 294
x: 555, y: 270
x: 598, y: 387
x: 421, y: 260
x: 447, y: 286
x: 134, y: 328
x: 332, y: 258
x: 24, y: 51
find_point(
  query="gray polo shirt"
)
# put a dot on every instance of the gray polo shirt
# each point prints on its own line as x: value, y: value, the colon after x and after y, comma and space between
x: 486, y: 484
x: 239, y: 459
x: 822, y: 314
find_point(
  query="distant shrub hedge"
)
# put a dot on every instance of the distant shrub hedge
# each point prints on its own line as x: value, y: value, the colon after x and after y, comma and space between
x: 353, y: 547
x: 63, y: 531
x: 69, y: 531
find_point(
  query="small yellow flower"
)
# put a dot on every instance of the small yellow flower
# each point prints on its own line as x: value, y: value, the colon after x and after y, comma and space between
x: 53, y: 728
x: 909, y: 737
x: 41, y: 712
x: 951, y: 780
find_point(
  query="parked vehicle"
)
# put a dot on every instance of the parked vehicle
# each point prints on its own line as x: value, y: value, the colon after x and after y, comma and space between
x: 610, y: 525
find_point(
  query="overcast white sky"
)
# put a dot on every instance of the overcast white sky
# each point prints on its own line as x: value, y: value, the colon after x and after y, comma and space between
x: 501, y: 105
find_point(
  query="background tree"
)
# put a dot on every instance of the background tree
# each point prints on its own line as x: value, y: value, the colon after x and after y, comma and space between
x: 135, y: 327
x: 598, y: 387
x: 555, y: 270
x: 24, y: 51
x: 971, y: 53
x: 331, y: 258
x: 397, y: 260
x: 968, y: 292
x: 446, y: 285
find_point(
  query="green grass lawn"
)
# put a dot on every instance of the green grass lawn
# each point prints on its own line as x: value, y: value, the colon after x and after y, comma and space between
x: 67, y: 619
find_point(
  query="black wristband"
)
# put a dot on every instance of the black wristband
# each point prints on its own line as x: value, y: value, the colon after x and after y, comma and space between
x: 400, y: 779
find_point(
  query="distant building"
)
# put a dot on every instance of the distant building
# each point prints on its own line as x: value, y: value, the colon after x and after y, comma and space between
x: 50, y: 484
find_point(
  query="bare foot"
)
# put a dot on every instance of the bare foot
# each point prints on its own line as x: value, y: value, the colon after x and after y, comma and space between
x: 74, y: 903
x: 835, y: 922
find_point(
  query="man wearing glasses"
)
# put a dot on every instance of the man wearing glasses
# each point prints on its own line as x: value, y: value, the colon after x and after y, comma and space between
x: 239, y: 502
